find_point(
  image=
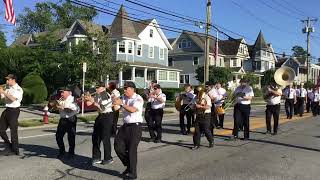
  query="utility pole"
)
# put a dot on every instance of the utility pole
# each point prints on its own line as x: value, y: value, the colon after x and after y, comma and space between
x: 308, y: 29
x: 207, y: 44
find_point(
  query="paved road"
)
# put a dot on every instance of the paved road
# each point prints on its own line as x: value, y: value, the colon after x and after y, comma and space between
x: 292, y: 154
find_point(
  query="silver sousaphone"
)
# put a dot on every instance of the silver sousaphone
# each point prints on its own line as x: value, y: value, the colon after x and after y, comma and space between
x: 284, y: 76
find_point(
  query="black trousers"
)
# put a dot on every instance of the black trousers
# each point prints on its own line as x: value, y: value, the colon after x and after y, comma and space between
x: 9, y: 118
x: 315, y: 108
x: 241, y: 114
x: 189, y: 115
x: 102, y: 131
x: 272, y: 110
x: 115, y: 122
x: 147, y: 112
x: 217, y: 119
x: 66, y: 125
x: 289, y: 106
x: 126, y: 144
x: 202, y: 124
x: 300, y: 105
x: 308, y: 105
x: 155, y: 123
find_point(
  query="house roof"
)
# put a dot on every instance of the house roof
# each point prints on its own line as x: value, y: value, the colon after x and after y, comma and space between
x: 139, y: 26
x: 171, y: 40
x: 260, y: 43
x: 280, y: 61
x: 21, y: 40
x: 152, y: 65
x: 92, y: 27
x: 122, y: 26
x: 230, y: 47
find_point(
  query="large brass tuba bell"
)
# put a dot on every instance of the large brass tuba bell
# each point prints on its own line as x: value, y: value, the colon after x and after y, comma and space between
x: 284, y: 76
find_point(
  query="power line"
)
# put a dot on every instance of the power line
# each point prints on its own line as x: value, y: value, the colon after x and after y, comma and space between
x: 278, y: 10
x: 295, y: 10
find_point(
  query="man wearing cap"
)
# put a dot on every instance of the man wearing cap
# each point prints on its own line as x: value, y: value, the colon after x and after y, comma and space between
x: 243, y: 94
x: 157, y: 100
x: 187, y: 96
x: 127, y: 140
x: 103, y: 124
x: 301, y: 94
x: 68, y: 110
x: 112, y: 86
x: 290, y: 96
x: 220, y: 94
x: 12, y: 96
x: 273, y: 107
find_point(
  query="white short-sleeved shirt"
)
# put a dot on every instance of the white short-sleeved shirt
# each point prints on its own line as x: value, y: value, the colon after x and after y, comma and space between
x: 275, y: 99
x: 137, y: 102
x: 247, y: 90
x: 17, y: 92
x: 314, y: 96
x: 219, y: 94
x: 105, y: 102
x: 301, y: 92
x: 156, y: 104
x: 189, y: 97
x: 115, y: 94
x: 289, y: 93
x: 69, y: 103
x: 207, y: 99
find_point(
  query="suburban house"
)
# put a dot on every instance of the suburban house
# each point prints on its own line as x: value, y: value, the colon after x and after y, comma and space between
x: 262, y: 56
x: 141, y: 44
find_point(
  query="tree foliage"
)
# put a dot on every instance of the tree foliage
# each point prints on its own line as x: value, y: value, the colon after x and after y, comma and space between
x: 267, y: 77
x: 221, y: 74
x: 48, y: 15
x: 298, y: 51
x: 35, y: 90
x: 3, y: 40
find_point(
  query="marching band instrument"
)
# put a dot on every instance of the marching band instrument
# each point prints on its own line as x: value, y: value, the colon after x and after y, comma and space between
x: 284, y: 76
x: 114, y: 106
x: 53, y: 104
x: 267, y: 94
x: 178, y: 102
x: 220, y: 110
x: 201, y: 100
x: 3, y: 86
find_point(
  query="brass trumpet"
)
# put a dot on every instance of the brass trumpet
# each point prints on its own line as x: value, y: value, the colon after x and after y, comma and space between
x: 53, y: 104
x: 3, y: 86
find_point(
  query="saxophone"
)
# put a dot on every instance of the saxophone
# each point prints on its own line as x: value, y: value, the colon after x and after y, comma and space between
x: 201, y: 100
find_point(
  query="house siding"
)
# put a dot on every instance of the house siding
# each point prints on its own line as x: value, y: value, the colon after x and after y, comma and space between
x: 185, y: 62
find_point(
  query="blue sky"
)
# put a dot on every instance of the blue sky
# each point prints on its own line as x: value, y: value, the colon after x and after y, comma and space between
x: 279, y: 20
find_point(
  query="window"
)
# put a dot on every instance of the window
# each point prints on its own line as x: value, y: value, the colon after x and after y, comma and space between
x: 189, y: 44
x: 172, y: 76
x: 122, y: 47
x: 211, y: 60
x: 161, y: 53
x: 162, y: 75
x: 184, y: 44
x: 264, y: 53
x: 195, y: 61
x: 151, y: 52
x: 139, y: 50
x: 184, y: 78
x: 130, y: 47
x: 151, y: 32
x: 258, y: 53
x: 170, y: 62
x: 234, y: 62
x: 139, y: 73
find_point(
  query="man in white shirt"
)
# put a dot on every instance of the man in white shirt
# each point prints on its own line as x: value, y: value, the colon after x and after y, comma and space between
x: 273, y: 107
x: 68, y: 110
x: 127, y: 140
x: 243, y: 94
x: 112, y: 86
x: 315, y: 98
x: 12, y: 96
x: 301, y: 99
x: 290, y: 96
x: 187, y: 96
x: 103, y: 124
x: 308, y: 103
x: 202, y: 105
x: 211, y: 92
x: 157, y: 100
x: 220, y: 95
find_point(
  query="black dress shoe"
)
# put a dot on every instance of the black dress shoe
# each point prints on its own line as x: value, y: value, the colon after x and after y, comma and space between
x: 275, y: 133
x: 211, y: 145
x: 125, y: 172
x: 268, y: 132
x: 130, y: 176
x: 157, y: 141
x: 195, y: 147
x: 151, y: 140
x: 60, y: 155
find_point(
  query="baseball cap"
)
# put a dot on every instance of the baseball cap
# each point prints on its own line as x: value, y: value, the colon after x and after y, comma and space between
x: 157, y: 86
x: 129, y: 84
x: 208, y: 83
x: 66, y: 88
x: 100, y: 84
x: 11, y: 76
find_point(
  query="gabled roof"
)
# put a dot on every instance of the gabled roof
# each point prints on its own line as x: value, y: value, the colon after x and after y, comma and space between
x: 22, y: 40
x: 122, y: 26
x: 171, y: 40
x: 91, y: 27
x: 230, y: 47
x: 260, y: 43
x: 139, y: 26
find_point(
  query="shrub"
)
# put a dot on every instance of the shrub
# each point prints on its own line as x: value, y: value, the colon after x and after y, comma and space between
x: 35, y: 90
x: 257, y: 92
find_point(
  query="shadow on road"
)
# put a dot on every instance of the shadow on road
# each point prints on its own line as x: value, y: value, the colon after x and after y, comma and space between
x: 284, y: 144
x: 78, y: 162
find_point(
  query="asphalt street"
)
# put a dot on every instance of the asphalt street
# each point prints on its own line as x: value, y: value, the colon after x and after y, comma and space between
x: 292, y: 154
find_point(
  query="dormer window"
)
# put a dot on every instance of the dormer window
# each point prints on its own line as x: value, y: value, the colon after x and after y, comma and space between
x: 184, y: 44
x: 122, y: 47
x: 151, y: 33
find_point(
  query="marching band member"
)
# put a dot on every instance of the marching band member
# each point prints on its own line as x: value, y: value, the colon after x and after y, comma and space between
x: 290, y: 100
x: 301, y: 94
x: 187, y: 98
x: 68, y: 110
x: 244, y: 94
x: 211, y: 91
x: 103, y: 124
x: 147, y: 93
x: 314, y: 98
x: 157, y: 100
x: 273, y: 107
x: 9, y: 118
x: 127, y: 140
x: 112, y: 86
x: 220, y: 96
x: 202, y: 105
x: 295, y: 106
x: 309, y: 100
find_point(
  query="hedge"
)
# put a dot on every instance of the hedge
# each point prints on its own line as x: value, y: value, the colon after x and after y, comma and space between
x: 34, y: 89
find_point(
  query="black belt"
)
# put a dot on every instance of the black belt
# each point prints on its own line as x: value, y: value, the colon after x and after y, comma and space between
x: 107, y: 112
x: 131, y: 124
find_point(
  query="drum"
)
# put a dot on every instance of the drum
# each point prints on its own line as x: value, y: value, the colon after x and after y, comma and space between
x: 220, y: 110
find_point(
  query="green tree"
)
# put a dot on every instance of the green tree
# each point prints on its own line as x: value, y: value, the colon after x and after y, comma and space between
x: 49, y: 15
x: 215, y: 74
x: 267, y: 77
x: 298, y: 51
x: 35, y: 90
x: 252, y: 78
x: 3, y: 40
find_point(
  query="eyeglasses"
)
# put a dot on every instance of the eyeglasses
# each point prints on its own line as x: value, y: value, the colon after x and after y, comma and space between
x: 125, y: 88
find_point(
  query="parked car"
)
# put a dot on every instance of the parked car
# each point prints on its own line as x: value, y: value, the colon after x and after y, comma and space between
x: 57, y: 95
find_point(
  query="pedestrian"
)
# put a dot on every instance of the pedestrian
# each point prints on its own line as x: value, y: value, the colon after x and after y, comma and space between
x: 290, y: 100
x: 68, y: 110
x: 187, y: 96
x: 301, y: 94
x: 12, y: 94
x: 273, y: 107
x: 103, y: 124
x: 220, y: 96
x: 127, y: 140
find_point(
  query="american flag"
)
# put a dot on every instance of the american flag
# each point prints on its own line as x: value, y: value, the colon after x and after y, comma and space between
x: 10, y: 17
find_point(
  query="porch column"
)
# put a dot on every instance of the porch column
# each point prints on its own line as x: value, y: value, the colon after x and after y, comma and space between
x: 178, y: 79
x: 145, y: 77
x: 157, y: 75
x: 120, y: 78
x: 259, y: 82
x: 133, y: 74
